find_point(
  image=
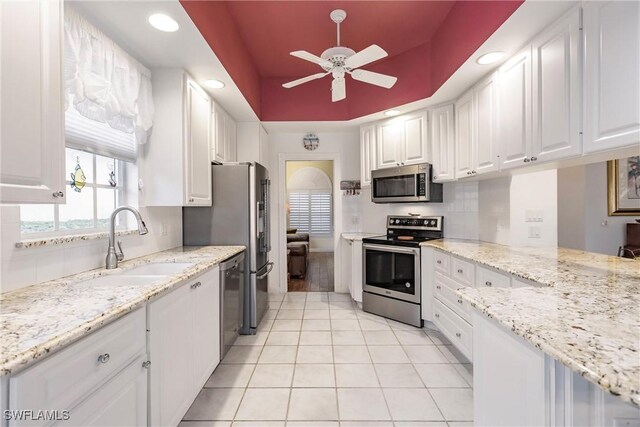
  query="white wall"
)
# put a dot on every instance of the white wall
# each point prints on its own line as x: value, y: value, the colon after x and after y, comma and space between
x: 21, y: 267
x: 583, y: 214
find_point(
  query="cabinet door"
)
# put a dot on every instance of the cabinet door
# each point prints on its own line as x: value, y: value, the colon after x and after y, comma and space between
x: 206, y: 326
x: 31, y: 100
x: 367, y: 150
x: 464, y: 136
x: 231, y: 140
x: 120, y: 402
x: 389, y: 144
x: 219, y: 151
x: 442, y: 143
x: 612, y: 67
x: 416, y: 143
x: 485, y: 147
x: 514, y: 109
x: 556, y: 91
x: 171, y: 349
x: 197, y: 145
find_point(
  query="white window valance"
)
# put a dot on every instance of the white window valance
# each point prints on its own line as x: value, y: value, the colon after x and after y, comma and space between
x: 105, y: 84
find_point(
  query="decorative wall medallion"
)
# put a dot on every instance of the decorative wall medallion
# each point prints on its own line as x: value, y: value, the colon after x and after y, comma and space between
x: 310, y: 141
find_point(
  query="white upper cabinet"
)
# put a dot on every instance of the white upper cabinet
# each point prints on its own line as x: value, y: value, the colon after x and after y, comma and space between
x: 442, y: 143
x: 225, y: 136
x: 485, y: 146
x: 611, y: 75
x: 556, y: 91
x: 514, y: 109
x: 178, y: 174
x: 31, y: 102
x: 402, y: 141
x: 464, y: 135
x: 367, y: 153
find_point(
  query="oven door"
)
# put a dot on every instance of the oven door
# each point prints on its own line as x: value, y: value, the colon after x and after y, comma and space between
x: 392, y: 271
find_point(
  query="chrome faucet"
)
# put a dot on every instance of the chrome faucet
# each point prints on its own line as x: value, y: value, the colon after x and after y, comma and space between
x: 114, y: 256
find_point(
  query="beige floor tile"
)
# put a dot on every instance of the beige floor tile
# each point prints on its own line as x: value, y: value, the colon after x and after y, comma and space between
x: 286, y: 324
x: 362, y: 404
x: 374, y: 325
x: 345, y: 325
x: 460, y: 423
x: 295, y: 296
x: 258, y: 339
x: 278, y: 354
x: 341, y: 305
x: 456, y: 404
x: 318, y: 296
x: 215, y: 404
x: 258, y: 424
x: 380, y: 337
x: 316, y: 305
x: 416, y: 337
x: 314, y: 375
x: 411, y: 404
x: 452, y: 354
x: 424, y: 354
x: 204, y: 424
x: 290, y: 314
x: 343, y: 314
x: 466, y: 370
x: 315, y: 354
x: 264, y: 404
x: 440, y: 375
x: 272, y: 375
x: 399, y: 326
x: 230, y: 376
x: 313, y: 404
x: 316, y: 325
x: 356, y: 375
x: 315, y: 314
x: 338, y: 296
x: 388, y: 354
x: 265, y: 325
x: 296, y: 305
x: 420, y: 424
x: 347, y: 338
x: 366, y: 424
x: 283, y: 338
x: 315, y: 338
x: 242, y: 354
x: 351, y: 354
x: 313, y: 423
x: 398, y: 375
x: 275, y: 296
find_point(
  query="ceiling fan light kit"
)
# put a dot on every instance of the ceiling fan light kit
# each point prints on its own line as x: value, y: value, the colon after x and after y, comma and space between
x: 341, y: 60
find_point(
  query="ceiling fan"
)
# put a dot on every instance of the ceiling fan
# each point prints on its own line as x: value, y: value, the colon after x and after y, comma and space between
x: 341, y: 60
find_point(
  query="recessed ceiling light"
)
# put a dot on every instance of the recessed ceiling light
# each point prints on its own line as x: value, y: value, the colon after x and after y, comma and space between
x: 163, y: 22
x: 214, y: 84
x: 391, y: 113
x: 490, y: 58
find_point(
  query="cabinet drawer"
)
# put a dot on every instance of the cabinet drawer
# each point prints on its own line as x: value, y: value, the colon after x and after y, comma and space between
x: 459, y: 332
x: 445, y: 292
x: 65, y: 378
x: 491, y: 278
x: 442, y: 262
x: 462, y: 271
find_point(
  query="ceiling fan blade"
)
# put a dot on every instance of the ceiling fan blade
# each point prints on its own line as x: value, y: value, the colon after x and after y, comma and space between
x: 304, y: 80
x: 365, y: 56
x: 303, y: 54
x: 374, y: 78
x: 338, y: 89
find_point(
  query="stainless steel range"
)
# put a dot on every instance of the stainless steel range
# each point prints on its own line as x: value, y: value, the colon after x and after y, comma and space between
x: 391, y: 267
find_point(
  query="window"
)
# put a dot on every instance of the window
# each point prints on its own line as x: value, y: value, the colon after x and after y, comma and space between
x: 311, y: 211
x: 94, y: 188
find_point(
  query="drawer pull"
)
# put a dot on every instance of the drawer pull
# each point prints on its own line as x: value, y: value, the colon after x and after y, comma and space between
x: 438, y: 287
x: 458, y: 334
x: 460, y: 271
x: 196, y: 285
x: 439, y: 261
x: 488, y: 283
x: 104, y: 358
x: 437, y: 315
x: 146, y: 364
x: 459, y: 301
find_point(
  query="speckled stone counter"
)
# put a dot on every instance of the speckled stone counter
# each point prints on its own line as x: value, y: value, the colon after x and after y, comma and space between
x: 358, y: 235
x: 41, y: 319
x: 587, y: 316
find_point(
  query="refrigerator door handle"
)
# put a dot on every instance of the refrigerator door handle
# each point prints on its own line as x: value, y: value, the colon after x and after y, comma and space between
x: 269, y: 268
x: 267, y: 213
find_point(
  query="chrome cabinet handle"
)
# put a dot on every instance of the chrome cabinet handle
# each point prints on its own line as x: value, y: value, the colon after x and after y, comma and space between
x: 473, y: 172
x: 459, y: 301
x: 104, y: 358
x: 460, y: 271
x: 437, y: 315
x: 146, y: 364
x: 438, y: 287
x: 191, y: 199
x: 439, y: 261
x: 57, y: 194
x: 488, y: 283
x: 196, y: 285
x: 526, y: 160
x: 469, y: 173
x: 458, y: 334
x: 534, y: 158
x: 435, y: 177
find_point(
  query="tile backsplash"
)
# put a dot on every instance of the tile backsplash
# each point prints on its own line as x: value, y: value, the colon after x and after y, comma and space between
x: 20, y: 267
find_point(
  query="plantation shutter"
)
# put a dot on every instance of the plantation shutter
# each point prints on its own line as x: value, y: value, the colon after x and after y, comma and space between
x: 310, y: 211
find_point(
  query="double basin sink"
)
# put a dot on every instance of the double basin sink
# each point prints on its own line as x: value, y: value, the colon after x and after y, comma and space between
x: 139, y: 276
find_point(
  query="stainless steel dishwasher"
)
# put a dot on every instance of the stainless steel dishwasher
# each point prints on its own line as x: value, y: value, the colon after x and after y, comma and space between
x: 231, y: 309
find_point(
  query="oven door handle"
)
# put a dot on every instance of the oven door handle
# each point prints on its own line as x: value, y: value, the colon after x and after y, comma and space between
x: 391, y: 248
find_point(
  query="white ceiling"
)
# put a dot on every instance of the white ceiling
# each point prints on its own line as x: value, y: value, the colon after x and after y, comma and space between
x: 126, y: 23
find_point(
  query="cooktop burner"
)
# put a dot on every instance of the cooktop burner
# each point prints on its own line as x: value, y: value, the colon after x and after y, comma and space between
x: 409, y: 230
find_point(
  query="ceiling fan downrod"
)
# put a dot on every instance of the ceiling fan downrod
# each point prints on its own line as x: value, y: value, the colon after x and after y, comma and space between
x: 338, y: 16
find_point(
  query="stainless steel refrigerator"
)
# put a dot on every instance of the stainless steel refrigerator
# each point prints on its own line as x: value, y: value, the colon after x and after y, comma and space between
x: 239, y: 216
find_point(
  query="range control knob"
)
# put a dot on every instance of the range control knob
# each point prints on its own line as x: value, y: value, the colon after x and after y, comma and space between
x: 426, y: 222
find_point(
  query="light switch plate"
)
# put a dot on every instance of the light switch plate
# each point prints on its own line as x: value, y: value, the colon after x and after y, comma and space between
x: 534, y: 232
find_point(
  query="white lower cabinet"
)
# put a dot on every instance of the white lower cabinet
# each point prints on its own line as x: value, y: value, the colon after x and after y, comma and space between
x: 104, y: 370
x: 184, y: 343
x: 351, y: 256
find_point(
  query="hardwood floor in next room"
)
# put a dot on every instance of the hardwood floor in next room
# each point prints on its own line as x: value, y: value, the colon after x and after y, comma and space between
x: 319, y: 276
x: 318, y: 360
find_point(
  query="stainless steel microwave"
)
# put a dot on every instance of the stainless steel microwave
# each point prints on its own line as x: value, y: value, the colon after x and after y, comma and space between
x: 405, y: 184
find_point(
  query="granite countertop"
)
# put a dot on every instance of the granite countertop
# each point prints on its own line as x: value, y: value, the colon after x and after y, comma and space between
x: 587, y: 316
x: 44, y: 318
x: 358, y: 235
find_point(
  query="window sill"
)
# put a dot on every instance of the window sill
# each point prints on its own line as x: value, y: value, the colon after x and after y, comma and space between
x: 60, y: 240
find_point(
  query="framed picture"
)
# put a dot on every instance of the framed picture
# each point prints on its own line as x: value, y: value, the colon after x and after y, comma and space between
x: 623, y: 186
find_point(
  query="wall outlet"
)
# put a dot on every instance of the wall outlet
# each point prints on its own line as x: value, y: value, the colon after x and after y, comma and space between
x: 534, y: 232
x: 533, y: 215
x: 163, y: 229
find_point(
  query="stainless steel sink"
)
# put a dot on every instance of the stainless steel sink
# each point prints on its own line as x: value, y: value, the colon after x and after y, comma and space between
x: 158, y: 269
x: 138, y: 276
